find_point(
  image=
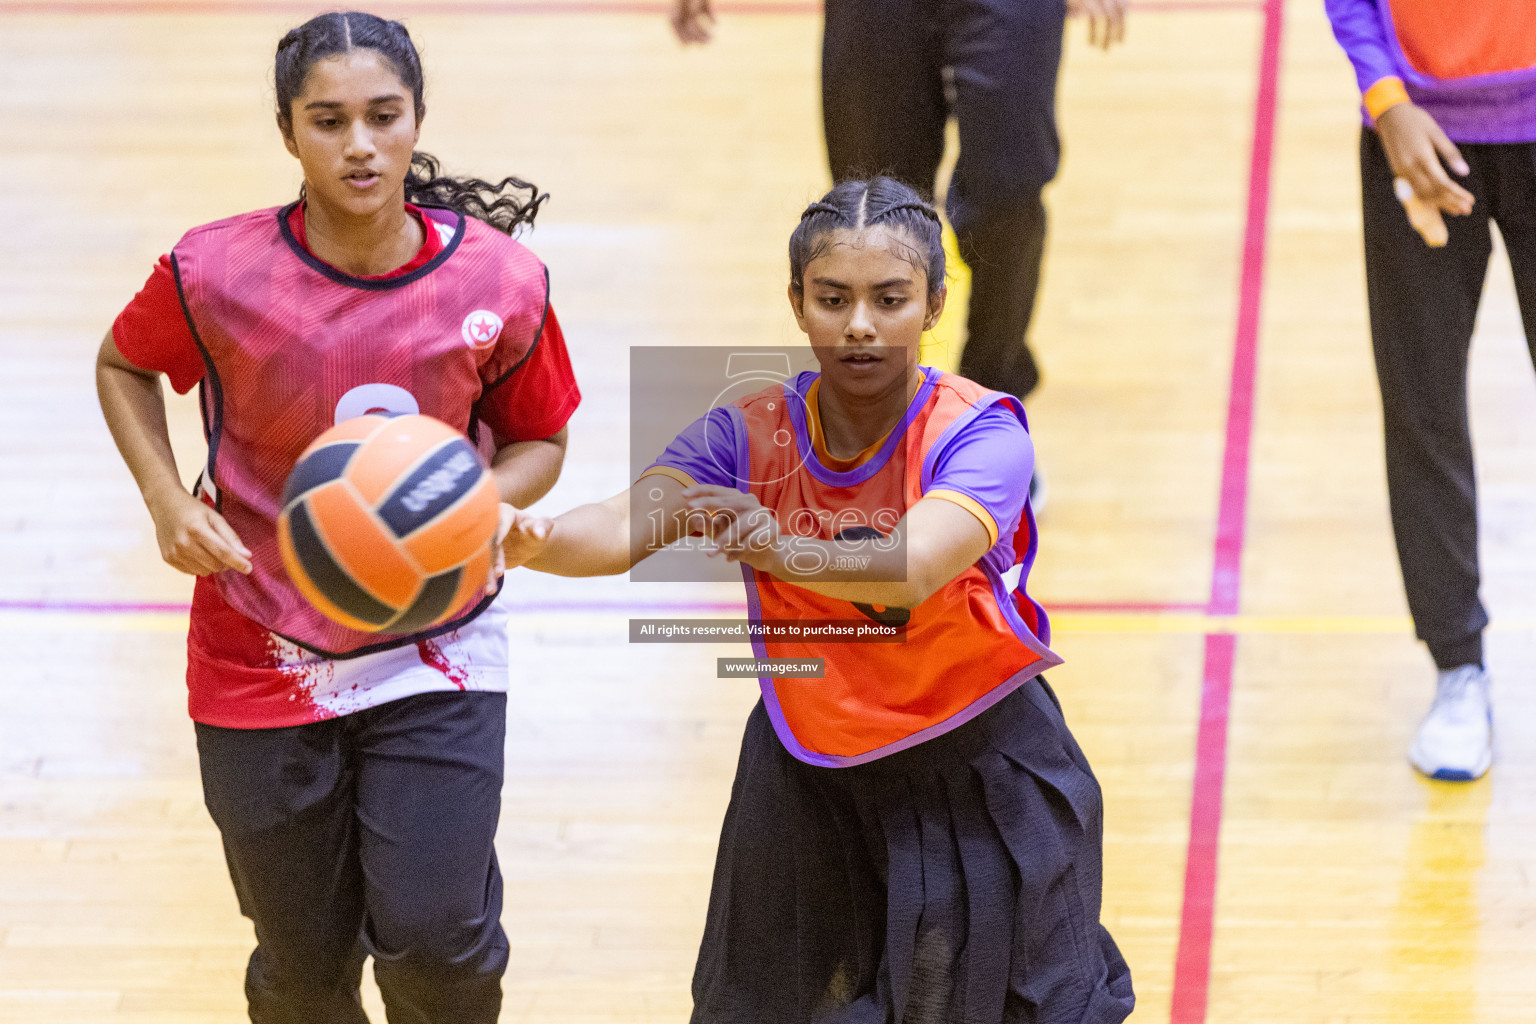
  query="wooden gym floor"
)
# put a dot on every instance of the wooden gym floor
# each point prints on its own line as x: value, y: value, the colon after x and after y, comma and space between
x: 1239, y: 664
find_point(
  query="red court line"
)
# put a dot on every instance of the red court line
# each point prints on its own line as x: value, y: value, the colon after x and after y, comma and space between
x: 1192, y: 963
x: 398, y: 8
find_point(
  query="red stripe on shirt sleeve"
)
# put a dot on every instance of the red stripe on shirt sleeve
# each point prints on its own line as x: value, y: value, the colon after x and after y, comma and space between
x: 152, y: 332
x: 540, y: 395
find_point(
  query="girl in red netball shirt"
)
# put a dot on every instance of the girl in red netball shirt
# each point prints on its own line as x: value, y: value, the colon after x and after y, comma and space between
x: 913, y: 835
x: 336, y: 762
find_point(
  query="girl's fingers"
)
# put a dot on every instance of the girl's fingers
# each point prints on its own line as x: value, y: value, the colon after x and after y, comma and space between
x: 498, y: 567
x: 215, y: 550
x: 191, y: 558
x: 1443, y: 192
x: 189, y: 567
x: 534, y: 527
x: 1421, y: 175
x: 224, y: 530
x: 1447, y: 150
x: 234, y: 554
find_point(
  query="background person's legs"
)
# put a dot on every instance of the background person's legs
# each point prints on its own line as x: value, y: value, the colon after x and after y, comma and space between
x: 1423, y: 305
x: 1005, y: 56
x: 1516, y: 216
x: 882, y: 89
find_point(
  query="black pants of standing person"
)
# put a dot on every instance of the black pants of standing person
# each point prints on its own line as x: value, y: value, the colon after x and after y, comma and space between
x: 367, y: 835
x: 1423, y: 304
x: 885, y: 102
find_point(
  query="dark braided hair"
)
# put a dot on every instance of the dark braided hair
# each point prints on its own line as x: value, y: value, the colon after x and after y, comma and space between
x: 504, y: 205
x: 856, y: 205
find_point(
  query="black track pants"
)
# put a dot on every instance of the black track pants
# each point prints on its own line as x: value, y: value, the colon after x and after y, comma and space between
x: 369, y: 834
x: 1423, y: 305
x: 884, y: 107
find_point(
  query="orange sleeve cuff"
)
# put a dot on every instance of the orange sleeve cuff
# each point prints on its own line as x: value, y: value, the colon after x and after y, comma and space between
x: 1384, y: 95
x: 971, y: 505
x: 675, y: 474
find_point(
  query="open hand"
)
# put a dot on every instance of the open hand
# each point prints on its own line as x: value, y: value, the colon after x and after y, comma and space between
x: 194, y: 538
x: 520, y: 537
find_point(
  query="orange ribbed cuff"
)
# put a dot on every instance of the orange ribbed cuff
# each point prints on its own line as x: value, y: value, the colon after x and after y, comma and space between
x: 1384, y: 95
x: 971, y: 505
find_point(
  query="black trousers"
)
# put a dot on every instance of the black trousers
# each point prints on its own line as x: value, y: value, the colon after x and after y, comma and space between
x: 885, y: 102
x: 1423, y: 305
x: 367, y: 835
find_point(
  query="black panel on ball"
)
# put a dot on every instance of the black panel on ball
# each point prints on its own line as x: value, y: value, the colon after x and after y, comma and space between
x: 443, y: 477
x: 328, y: 577
x: 430, y: 605
x: 321, y: 466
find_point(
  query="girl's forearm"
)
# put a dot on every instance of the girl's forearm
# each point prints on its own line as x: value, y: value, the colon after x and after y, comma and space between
x: 134, y: 408
x: 591, y: 540
x: 526, y: 470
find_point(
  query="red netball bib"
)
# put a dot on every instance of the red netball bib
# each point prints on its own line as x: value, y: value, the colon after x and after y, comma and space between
x: 293, y: 345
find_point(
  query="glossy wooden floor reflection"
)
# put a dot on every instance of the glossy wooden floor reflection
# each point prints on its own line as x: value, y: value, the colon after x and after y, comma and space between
x: 1349, y: 890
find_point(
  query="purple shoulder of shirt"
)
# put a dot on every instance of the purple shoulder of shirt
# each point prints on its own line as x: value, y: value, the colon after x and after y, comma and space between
x: 1497, y: 108
x: 989, y: 460
x: 707, y: 450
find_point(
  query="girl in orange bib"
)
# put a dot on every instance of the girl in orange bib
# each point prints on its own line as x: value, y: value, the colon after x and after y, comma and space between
x: 913, y: 836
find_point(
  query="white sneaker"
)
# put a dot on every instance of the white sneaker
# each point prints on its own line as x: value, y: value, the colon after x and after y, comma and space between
x: 1455, y: 740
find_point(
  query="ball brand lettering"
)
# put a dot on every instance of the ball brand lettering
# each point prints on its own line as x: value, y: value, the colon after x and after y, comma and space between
x: 440, y: 482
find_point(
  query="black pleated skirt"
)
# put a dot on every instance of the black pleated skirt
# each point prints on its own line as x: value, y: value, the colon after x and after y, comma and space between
x: 956, y: 882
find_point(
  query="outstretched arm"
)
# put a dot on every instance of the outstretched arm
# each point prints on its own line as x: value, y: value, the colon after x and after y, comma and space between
x: 602, y: 539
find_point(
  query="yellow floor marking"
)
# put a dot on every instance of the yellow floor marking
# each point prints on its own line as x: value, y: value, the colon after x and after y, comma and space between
x: 942, y: 345
x: 1436, y: 919
x: 1198, y: 622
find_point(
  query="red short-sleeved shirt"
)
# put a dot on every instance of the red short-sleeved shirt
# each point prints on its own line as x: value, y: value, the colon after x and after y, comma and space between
x: 239, y: 675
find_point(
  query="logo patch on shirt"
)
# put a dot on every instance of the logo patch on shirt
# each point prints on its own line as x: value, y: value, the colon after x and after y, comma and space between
x: 481, y: 329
